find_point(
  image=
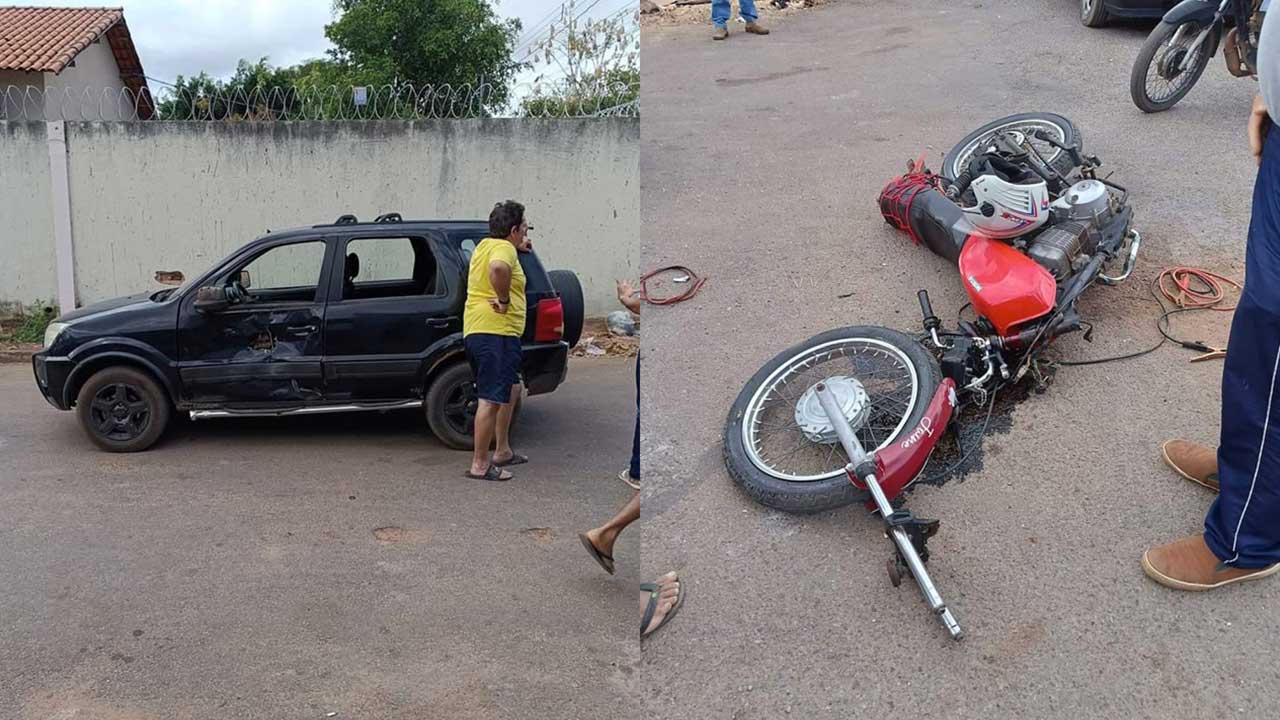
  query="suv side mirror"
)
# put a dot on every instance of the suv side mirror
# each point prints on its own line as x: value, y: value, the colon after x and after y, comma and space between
x: 211, y: 299
x: 242, y: 277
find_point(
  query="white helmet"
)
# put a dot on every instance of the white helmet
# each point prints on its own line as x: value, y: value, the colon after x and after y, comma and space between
x: 1005, y: 209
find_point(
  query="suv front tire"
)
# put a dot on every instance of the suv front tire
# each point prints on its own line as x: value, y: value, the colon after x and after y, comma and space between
x: 122, y: 409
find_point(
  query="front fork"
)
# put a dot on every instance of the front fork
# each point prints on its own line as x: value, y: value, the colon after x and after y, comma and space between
x: 901, y: 527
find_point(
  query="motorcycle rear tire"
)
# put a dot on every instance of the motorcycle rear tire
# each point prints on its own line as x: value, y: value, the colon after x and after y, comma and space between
x: 1061, y: 163
x: 1138, y: 75
x: 836, y: 491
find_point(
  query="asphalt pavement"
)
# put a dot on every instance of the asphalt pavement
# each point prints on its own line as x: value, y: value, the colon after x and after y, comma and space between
x: 761, y: 161
x: 329, y: 566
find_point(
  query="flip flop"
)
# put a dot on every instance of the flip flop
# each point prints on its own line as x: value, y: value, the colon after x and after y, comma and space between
x: 493, y: 473
x: 516, y: 459
x: 606, y: 561
x: 655, y: 592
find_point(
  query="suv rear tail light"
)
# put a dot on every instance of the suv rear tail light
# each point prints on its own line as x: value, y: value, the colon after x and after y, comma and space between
x: 549, y: 321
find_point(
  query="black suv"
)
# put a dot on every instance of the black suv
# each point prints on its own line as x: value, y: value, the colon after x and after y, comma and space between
x: 348, y: 316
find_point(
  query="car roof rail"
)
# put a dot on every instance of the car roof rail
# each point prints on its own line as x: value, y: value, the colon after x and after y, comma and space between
x: 346, y: 220
x: 389, y: 218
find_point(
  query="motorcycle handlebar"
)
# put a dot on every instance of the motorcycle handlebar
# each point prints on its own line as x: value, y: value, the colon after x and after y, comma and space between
x: 1073, y: 150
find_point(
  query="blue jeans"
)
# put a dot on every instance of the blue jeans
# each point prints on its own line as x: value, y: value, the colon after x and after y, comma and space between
x: 1243, y: 525
x: 721, y: 10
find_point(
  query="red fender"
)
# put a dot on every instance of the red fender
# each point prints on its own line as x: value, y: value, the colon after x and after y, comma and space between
x: 898, y: 465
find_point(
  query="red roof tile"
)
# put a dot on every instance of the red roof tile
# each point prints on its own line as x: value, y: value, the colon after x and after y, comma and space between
x: 45, y: 39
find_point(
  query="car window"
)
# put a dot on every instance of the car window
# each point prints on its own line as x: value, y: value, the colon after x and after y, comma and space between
x: 388, y: 267
x: 468, y: 247
x: 295, y: 266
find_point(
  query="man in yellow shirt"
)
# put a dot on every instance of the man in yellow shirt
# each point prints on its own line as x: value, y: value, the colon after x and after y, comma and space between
x: 492, y: 323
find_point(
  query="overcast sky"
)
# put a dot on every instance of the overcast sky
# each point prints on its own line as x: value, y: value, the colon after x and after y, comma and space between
x: 184, y: 37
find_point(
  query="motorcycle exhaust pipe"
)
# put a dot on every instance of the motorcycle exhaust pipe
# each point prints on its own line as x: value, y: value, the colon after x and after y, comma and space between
x: 863, y: 464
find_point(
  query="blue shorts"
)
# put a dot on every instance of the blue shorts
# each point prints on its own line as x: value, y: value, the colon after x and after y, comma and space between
x: 495, y: 361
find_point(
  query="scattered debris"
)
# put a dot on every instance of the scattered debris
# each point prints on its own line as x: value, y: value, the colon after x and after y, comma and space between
x: 598, y: 341
x: 393, y: 534
x: 648, y: 6
x: 622, y: 322
x: 606, y: 344
x: 684, y: 275
x: 539, y: 534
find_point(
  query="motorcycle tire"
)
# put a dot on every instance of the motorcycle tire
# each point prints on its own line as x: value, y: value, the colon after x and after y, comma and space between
x: 1059, y: 160
x: 1147, y: 55
x: 834, y: 490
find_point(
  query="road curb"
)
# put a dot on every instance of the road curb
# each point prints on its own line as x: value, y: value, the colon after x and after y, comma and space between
x: 16, y: 356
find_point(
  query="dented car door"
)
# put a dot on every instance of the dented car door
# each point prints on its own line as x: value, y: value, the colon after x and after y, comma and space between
x: 265, y: 346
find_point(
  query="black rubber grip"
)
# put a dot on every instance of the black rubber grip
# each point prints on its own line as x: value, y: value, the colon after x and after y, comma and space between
x: 865, y: 468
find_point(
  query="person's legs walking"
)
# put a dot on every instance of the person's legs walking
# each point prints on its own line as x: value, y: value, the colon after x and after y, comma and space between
x: 599, y: 541
x: 747, y: 9
x: 720, y: 12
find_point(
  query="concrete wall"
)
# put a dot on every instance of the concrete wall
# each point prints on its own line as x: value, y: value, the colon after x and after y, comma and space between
x: 91, y: 88
x: 26, y: 219
x: 180, y: 196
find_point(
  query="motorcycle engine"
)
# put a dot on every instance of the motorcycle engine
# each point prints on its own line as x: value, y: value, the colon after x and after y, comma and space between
x: 1073, y: 230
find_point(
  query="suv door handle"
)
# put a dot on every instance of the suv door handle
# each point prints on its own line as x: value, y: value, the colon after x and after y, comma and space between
x: 439, y: 322
x: 301, y: 329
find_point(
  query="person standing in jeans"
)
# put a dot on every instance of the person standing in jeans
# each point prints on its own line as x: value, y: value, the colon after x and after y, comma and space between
x: 1241, y: 537
x: 492, y: 323
x: 722, y: 9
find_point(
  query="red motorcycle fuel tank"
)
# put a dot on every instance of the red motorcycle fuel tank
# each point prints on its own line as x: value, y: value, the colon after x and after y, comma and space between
x: 1005, y: 286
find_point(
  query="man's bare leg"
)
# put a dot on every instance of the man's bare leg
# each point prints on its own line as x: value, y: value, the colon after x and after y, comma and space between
x: 486, y: 417
x: 604, y: 536
x: 502, y: 451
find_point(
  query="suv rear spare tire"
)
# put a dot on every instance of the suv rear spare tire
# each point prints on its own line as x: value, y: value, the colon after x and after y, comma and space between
x: 570, y: 291
x: 122, y: 409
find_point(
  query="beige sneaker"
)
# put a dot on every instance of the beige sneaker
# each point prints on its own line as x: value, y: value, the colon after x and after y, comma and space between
x: 720, y: 33
x: 1193, y: 461
x: 756, y: 29
x: 1189, y: 564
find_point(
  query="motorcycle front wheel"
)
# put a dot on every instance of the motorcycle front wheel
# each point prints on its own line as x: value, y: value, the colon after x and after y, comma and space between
x: 1025, y: 125
x: 1158, y: 79
x: 779, y: 446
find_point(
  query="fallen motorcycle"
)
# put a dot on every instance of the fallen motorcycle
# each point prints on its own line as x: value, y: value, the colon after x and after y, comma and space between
x: 853, y: 414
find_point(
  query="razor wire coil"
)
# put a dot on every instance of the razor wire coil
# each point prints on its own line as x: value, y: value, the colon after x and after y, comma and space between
x: 312, y: 103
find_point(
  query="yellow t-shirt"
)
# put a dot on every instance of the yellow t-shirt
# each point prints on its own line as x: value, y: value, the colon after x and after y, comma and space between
x: 478, y: 316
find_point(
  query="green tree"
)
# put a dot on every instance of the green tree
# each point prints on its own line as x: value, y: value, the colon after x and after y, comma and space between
x: 440, y: 42
x: 256, y: 91
x: 596, y: 64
